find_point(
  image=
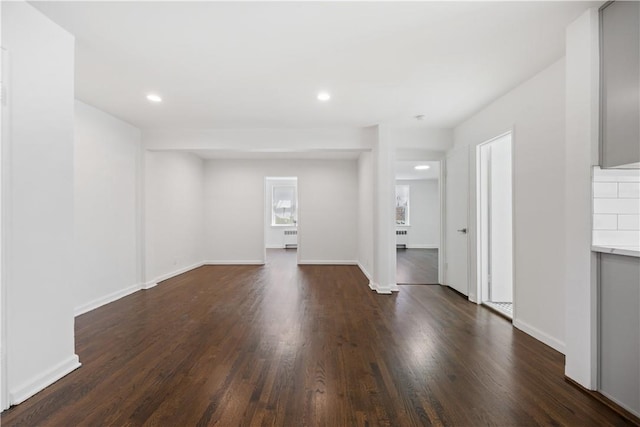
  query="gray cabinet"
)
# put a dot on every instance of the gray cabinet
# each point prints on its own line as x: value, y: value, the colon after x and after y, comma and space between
x: 619, y: 332
x: 620, y: 84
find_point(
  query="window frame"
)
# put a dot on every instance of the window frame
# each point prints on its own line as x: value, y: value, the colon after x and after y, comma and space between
x: 294, y: 206
x: 407, y: 222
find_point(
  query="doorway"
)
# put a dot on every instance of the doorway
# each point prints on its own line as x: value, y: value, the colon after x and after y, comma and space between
x: 281, y: 214
x: 495, y: 224
x: 417, y: 221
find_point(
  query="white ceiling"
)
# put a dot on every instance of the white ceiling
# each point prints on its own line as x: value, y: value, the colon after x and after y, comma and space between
x: 406, y: 170
x: 261, y: 64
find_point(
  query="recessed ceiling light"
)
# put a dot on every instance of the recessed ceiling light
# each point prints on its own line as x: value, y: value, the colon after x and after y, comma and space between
x: 154, y: 98
x: 324, y: 96
x: 421, y: 167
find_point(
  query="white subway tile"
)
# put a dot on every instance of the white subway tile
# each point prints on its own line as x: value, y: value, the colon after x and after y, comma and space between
x: 628, y: 222
x: 616, y: 238
x: 616, y: 175
x: 629, y: 190
x: 608, y: 190
x: 616, y: 206
x: 605, y: 222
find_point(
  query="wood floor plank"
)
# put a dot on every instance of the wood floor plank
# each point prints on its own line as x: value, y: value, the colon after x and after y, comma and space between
x: 417, y: 266
x: 287, y: 345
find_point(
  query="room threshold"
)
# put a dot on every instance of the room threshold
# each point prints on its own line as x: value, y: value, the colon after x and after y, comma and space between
x: 505, y: 309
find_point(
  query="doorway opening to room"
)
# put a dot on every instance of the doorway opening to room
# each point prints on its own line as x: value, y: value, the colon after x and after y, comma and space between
x: 417, y: 216
x: 281, y: 217
x: 495, y: 224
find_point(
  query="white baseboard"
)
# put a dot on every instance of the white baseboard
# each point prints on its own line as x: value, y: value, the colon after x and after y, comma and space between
x: 364, y: 271
x: 99, y: 302
x: 385, y: 290
x: 327, y: 262
x: 40, y: 382
x: 149, y: 285
x: 154, y: 282
x: 423, y: 246
x: 235, y: 262
x: 540, y: 336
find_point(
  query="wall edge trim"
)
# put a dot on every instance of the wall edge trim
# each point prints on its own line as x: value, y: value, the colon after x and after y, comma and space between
x: 106, y: 299
x: 235, y: 262
x: 326, y: 262
x: 540, y: 336
x: 43, y: 380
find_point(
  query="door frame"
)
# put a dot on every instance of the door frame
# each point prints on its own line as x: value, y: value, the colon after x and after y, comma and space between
x: 267, y: 212
x: 478, y: 217
x: 441, y: 160
x: 5, y: 149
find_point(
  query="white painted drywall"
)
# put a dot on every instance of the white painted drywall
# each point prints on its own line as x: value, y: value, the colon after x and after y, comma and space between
x: 234, y: 209
x: 384, y: 236
x: 419, y: 139
x: 411, y: 137
x: 535, y: 112
x: 274, y: 235
x: 581, y: 153
x: 38, y: 201
x: 365, y: 213
x: 107, y: 164
x: 264, y: 140
x: 174, y: 209
x: 424, y: 213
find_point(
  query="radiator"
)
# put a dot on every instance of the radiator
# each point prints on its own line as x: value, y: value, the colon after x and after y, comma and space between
x: 401, y: 238
x: 290, y: 238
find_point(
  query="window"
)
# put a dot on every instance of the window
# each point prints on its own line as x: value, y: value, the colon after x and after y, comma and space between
x: 402, y: 205
x: 284, y: 207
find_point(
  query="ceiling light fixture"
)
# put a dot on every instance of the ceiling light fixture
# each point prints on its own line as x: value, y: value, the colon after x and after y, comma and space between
x: 324, y: 96
x: 419, y: 117
x: 421, y: 167
x: 154, y: 98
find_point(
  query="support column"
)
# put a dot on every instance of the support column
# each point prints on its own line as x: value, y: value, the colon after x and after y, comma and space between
x: 384, y: 237
x: 582, y: 119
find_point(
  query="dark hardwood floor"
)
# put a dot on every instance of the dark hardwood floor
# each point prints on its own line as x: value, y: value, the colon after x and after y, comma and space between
x: 417, y: 266
x: 305, y: 346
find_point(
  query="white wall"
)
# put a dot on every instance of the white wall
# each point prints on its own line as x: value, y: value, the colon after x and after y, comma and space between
x: 262, y: 140
x: 535, y: 112
x: 365, y: 213
x: 581, y: 153
x: 424, y: 213
x: 174, y: 221
x: 234, y: 209
x: 432, y: 139
x: 273, y: 236
x: 38, y: 201
x: 107, y: 164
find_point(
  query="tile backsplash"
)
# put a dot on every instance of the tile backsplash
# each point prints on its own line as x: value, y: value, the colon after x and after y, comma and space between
x: 616, y: 207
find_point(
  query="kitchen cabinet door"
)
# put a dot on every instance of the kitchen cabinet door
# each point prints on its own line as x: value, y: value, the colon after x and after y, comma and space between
x: 620, y: 84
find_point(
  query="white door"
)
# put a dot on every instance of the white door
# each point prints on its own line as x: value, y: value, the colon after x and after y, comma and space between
x: 457, y: 215
x: 501, y: 242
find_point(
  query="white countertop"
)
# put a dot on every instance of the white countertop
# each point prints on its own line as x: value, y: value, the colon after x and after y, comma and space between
x: 618, y: 250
